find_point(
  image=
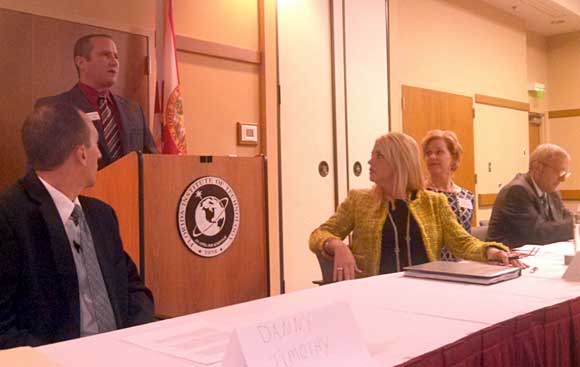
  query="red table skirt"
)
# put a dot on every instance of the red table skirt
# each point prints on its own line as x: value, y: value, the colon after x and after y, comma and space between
x: 549, y: 337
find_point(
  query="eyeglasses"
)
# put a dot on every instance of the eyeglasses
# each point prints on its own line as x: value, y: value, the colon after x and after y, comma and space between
x: 562, y: 174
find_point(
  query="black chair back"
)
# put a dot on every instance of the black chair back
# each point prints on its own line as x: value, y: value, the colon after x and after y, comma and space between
x: 326, y: 266
x: 479, y: 232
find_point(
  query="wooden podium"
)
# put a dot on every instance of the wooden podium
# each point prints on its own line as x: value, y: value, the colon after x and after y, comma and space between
x: 146, y: 192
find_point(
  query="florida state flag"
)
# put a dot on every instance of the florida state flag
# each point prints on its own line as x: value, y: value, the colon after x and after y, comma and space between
x: 168, y: 102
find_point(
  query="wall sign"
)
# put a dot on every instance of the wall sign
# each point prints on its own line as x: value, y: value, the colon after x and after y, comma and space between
x: 208, y: 216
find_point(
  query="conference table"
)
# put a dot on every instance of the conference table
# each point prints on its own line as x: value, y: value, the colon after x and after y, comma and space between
x: 531, y: 320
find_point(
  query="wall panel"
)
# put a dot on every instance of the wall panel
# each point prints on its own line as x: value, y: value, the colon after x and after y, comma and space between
x: 217, y: 94
x: 367, y: 96
x: 501, y: 146
x: 306, y: 132
x: 231, y: 22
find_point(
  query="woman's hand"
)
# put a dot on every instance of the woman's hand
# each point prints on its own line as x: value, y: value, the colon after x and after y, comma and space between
x: 344, y: 262
x: 505, y: 258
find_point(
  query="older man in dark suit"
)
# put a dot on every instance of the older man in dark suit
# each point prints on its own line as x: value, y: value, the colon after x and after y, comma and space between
x: 120, y: 122
x: 529, y: 209
x: 63, y: 271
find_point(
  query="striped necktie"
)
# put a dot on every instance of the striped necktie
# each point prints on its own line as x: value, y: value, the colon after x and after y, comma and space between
x: 110, y: 129
x: 102, y: 309
x: 546, y: 205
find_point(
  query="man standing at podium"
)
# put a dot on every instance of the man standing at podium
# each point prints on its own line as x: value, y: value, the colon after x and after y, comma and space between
x: 63, y: 271
x: 120, y: 122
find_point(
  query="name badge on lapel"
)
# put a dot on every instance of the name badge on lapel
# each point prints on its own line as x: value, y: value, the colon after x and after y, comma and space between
x: 93, y: 116
x: 465, y: 203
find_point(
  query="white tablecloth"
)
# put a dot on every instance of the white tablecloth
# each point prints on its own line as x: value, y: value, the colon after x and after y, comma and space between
x: 399, y: 317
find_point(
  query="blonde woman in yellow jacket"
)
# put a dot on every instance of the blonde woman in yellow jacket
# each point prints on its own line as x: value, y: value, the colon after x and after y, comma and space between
x: 396, y: 223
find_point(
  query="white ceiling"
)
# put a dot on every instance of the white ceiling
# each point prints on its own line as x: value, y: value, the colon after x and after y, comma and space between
x: 546, y: 17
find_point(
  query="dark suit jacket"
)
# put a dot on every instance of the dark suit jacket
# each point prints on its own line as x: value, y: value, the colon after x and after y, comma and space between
x: 39, y: 293
x: 135, y: 133
x: 519, y: 218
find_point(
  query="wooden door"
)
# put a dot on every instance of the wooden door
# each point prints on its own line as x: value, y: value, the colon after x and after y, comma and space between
x: 425, y: 110
x: 37, y: 61
x: 306, y: 133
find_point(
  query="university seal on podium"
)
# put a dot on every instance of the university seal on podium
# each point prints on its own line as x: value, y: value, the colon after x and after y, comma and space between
x: 208, y: 216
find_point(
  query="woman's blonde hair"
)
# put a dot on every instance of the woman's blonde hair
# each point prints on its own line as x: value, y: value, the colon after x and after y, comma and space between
x: 451, y: 142
x: 401, y: 151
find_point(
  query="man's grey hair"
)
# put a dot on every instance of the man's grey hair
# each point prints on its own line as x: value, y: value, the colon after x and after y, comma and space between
x: 547, y: 153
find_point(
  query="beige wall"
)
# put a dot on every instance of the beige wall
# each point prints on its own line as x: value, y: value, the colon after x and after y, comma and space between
x: 469, y: 47
x: 232, y: 22
x: 537, y: 63
x: 564, y: 93
x: 564, y: 71
x: 218, y: 93
x: 573, y: 5
x: 104, y: 13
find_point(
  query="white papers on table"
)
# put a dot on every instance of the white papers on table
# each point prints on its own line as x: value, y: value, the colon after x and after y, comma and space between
x: 555, y: 249
x: 196, y: 341
x: 548, y: 261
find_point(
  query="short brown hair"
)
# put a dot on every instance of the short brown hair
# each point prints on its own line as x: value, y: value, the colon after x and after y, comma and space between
x: 402, y: 152
x: 84, y: 45
x: 451, y: 142
x: 50, y: 134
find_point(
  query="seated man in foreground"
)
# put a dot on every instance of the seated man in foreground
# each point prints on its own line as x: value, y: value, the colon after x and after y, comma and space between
x: 63, y: 271
x: 529, y: 209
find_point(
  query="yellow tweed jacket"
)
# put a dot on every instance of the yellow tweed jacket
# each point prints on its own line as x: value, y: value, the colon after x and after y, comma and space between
x: 363, y: 215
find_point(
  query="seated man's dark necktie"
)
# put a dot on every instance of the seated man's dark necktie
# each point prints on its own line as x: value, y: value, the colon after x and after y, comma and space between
x: 110, y: 129
x: 546, y: 206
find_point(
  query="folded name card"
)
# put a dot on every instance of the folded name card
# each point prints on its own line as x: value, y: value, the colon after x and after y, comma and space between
x: 572, y: 274
x: 320, y: 337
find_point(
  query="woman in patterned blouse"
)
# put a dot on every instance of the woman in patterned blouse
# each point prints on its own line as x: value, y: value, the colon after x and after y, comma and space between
x: 442, y: 153
x: 396, y: 223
